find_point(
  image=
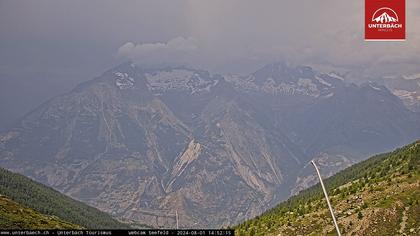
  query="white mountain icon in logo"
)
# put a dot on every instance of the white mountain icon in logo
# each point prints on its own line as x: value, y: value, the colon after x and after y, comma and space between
x: 385, y: 17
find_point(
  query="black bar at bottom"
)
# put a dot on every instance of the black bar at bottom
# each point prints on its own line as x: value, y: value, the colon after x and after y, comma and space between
x: 136, y: 232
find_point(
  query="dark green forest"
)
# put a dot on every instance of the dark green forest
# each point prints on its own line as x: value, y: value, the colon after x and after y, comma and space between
x: 48, y: 201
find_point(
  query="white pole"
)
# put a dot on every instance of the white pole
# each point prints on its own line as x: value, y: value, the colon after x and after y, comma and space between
x: 176, y: 212
x: 326, y: 197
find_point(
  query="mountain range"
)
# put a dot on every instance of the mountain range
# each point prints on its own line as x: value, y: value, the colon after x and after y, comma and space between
x: 142, y: 144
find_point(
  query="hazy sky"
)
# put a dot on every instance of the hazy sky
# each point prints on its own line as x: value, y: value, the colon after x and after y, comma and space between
x: 59, y: 43
x: 75, y: 37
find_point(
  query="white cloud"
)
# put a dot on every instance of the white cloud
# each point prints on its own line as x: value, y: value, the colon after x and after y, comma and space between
x: 177, y: 51
x: 238, y: 36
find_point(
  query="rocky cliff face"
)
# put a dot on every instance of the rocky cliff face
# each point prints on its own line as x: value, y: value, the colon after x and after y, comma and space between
x: 407, y: 88
x: 142, y: 144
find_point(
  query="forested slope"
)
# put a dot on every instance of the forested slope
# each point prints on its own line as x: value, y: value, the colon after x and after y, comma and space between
x: 15, y: 216
x: 379, y: 196
x: 45, y: 200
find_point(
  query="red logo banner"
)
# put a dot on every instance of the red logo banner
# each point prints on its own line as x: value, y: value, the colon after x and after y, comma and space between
x: 384, y: 20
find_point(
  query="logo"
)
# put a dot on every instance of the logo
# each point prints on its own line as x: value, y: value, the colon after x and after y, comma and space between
x: 384, y: 20
x: 385, y: 17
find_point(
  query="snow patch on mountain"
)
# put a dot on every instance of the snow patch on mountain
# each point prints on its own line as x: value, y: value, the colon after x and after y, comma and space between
x: 179, y: 79
x: 167, y: 80
x: 303, y: 86
x: 329, y: 95
x: 242, y: 83
x: 283, y: 88
x: 307, y: 87
x: 322, y: 81
x: 374, y: 87
x: 336, y: 76
x: 123, y: 80
x: 410, y: 77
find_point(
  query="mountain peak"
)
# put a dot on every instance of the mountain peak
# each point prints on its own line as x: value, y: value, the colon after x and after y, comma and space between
x: 282, y: 72
x: 283, y: 79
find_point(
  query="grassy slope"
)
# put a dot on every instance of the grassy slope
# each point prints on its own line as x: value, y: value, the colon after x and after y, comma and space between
x: 45, y: 200
x: 15, y: 216
x: 379, y: 196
